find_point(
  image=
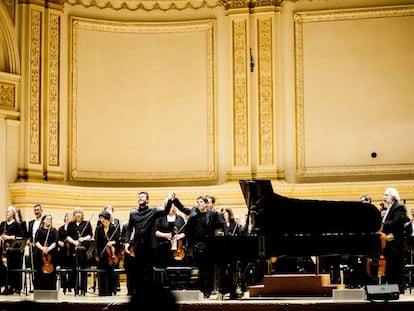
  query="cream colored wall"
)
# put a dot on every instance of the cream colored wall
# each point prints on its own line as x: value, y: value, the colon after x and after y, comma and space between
x: 342, y: 65
x: 150, y: 91
x: 170, y: 105
x: 307, y: 137
x: 348, y: 67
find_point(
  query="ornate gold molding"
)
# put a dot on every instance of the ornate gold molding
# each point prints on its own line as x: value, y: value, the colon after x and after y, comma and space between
x: 168, y: 5
x: 138, y: 5
x: 251, y: 4
x: 7, y: 95
x: 53, y: 88
x: 35, y: 84
x: 240, y: 96
x: 265, y: 90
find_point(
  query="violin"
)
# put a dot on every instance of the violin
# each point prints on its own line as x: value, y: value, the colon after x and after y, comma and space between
x: 179, y: 252
x: 4, y: 244
x: 113, y: 259
x: 177, y: 246
x: 47, y: 266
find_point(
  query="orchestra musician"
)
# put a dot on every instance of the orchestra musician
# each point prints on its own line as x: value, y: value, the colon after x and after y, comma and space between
x: 32, y: 228
x: 45, y: 254
x: 79, y: 231
x: 170, y: 233
x: 106, y: 239
x: 393, y: 226
x: 117, y: 223
x: 228, y: 280
x: 10, y: 230
x: 65, y: 260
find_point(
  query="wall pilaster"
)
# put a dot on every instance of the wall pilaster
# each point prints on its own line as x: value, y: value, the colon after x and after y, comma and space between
x: 40, y: 49
x: 254, y: 63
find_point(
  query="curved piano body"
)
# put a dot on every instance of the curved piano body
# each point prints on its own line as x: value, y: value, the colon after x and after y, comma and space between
x: 300, y: 227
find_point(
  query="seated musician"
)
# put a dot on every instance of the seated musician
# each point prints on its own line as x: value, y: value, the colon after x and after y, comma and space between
x: 45, y: 254
x: 170, y: 233
x: 79, y: 231
x: 106, y: 238
x: 228, y: 283
x: 10, y: 230
x: 65, y: 260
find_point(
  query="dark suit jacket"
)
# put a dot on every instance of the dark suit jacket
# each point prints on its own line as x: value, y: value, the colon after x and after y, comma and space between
x: 394, y: 221
x: 30, y: 229
x: 215, y: 221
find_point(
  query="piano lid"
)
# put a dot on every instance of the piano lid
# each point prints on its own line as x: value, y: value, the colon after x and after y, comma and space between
x: 254, y: 190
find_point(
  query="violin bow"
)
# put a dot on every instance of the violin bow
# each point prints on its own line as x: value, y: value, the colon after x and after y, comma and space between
x: 110, y: 238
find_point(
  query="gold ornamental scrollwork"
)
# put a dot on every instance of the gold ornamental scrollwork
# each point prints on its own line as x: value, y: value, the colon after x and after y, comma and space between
x: 7, y: 95
x: 251, y: 4
x: 137, y: 5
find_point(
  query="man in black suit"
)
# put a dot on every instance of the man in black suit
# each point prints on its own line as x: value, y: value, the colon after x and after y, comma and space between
x: 202, y: 223
x: 141, y: 240
x: 393, y: 226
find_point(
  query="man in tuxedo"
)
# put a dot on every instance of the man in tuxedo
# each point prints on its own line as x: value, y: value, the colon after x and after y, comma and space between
x: 393, y: 226
x: 34, y: 224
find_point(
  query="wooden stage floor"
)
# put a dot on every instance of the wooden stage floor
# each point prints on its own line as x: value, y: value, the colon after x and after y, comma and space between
x: 92, y: 302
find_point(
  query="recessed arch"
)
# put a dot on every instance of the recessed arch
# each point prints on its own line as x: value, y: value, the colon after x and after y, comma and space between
x: 9, y: 58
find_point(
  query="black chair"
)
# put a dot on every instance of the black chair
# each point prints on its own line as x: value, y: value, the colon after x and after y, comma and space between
x: 27, y: 277
x: 61, y: 273
x: 179, y: 277
x: 83, y: 274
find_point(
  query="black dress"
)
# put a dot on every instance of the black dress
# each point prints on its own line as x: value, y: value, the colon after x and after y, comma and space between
x: 106, y: 261
x: 45, y: 264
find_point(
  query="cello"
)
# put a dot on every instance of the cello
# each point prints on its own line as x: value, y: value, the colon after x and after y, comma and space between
x: 381, y: 260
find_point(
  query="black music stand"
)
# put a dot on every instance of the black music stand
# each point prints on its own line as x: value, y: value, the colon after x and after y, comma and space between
x: 19, y: 243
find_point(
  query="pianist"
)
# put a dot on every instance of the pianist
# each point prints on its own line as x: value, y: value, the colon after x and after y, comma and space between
x: 201, y: 224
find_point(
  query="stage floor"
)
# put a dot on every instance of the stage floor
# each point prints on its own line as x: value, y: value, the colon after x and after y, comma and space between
x: 92, y: 302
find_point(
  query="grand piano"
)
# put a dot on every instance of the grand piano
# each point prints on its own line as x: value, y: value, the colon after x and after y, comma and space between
x: 300, y: 227
x: 282, y: 227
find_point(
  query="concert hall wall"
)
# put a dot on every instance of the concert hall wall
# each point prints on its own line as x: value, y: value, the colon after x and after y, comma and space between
x: 100, y: 100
